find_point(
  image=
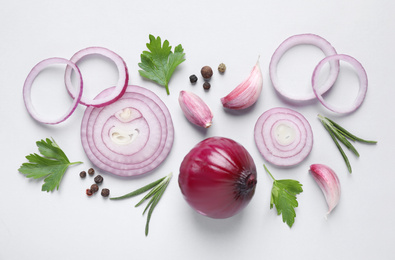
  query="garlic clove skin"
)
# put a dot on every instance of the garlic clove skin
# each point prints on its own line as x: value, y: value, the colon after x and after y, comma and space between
x: 329, y: 183
x: 195, y: 109
x: 247, y: 92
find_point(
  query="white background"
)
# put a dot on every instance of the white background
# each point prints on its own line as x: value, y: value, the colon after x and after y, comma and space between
x: 66, y: 224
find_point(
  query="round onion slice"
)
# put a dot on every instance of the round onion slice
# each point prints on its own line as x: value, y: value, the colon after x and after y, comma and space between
x: 123, y: 77
x: 292, y: 41
x: 28, y: 86
x: 129, y: 137
x: 283, y: 136
x: 363, y: 83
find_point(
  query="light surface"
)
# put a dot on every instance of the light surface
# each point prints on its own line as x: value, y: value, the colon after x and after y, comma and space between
x: 66, y: 224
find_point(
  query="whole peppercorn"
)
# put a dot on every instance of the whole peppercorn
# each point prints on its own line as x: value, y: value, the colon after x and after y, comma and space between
x: 91, y: 171
x: 83, y: 174
x: 221, y: 68
x: 89, y: 192
x: 193, y: 78
x: 98, y: 179
x: 105, y: 192
x: 94, y: 188
x: 207, y: 72
x: 206, y: 85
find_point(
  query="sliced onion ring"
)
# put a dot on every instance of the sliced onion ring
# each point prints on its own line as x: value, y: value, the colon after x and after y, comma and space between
x: 292, y: 41
x: 283, y: 136
x: 363, y: 83
x: 123, y: 77
x: 129, y: 137
x: 28, y: 86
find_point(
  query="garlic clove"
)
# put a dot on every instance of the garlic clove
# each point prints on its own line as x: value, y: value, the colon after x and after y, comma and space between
x: 128, y: 114
x: 329, y: 183
x: 195, y: 109
x: 247, y: 92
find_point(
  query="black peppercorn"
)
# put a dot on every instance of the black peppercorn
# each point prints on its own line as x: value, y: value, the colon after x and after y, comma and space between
x: 105, y: 192
x: 89, y: 192
x: 207, y: 72
x: 83, y: 174
x: 193, y: 78
x: 91, y: 171
x: 94, y: 188
x: 98, y: 179
x: 206, y: 85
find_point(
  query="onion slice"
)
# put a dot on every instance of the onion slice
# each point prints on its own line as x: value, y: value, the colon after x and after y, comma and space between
x: 129, y: 137
x: 292, y: 41
x: 123, y: 77
x: 283, y: 136
x: 363, y: 83
x: 28, y: 86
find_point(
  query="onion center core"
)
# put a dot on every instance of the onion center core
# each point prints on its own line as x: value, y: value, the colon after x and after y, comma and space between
x: 123, y: 137
x: 127, y: 114
x: 285, y: 134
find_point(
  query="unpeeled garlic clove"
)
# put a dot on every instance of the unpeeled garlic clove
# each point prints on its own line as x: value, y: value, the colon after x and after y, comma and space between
x: 247, y: 92
x: 329, y: 183
x: 195, y: 109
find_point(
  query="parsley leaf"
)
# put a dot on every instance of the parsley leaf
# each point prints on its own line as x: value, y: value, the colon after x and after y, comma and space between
x: 284, y: 198
x: 159, y: 64
x: 51, y: 165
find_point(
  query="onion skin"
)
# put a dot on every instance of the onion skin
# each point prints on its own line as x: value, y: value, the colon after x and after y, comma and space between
x: 218, y: 177
x: 295, y: 40
x: 123, y: 76
x: 363, y: 83
x: 29, y: 82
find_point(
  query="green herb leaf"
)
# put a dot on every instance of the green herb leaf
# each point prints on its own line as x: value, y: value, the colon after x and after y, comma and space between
x: 139, y: 191
x: 283, y: 197
x: 156, y: 190
x: 51, y: 166
x: 160, y: 62
x: 348, y: 134
x: 337, y: 132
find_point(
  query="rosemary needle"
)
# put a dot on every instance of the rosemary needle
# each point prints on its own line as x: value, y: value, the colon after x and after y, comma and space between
x: 156, y: 190
x: 139, y: 191
x: 338, y: 133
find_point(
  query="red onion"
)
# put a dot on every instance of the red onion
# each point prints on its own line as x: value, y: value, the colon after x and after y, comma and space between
x: 129, y: 137
x: 292, y: 41
x: 218, y: 177
x: 283, y: 136
x: 29, y: 82
x: 363, y: 83
x: 123, y: 77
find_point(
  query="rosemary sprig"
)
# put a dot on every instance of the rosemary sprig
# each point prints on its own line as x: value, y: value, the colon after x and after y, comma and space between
x: 338, y: 133
x: 157, y: 188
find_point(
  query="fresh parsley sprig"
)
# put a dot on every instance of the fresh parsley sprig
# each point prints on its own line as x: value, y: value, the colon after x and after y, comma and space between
x: 157, y: 188
x: 51, y: 165
x: 159, y: 63
x: 338, y: 133
x: 283, y: 196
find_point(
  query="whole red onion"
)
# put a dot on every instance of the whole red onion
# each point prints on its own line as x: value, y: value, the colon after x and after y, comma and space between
x: 218, y: 177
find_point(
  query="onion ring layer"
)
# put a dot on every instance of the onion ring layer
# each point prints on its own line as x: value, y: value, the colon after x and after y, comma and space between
x: 129, y: 137
x: 363, y: 83
x: 28, y: 86
x: 123, y: 77
x: 283, y: 136
x: 292, y: 41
